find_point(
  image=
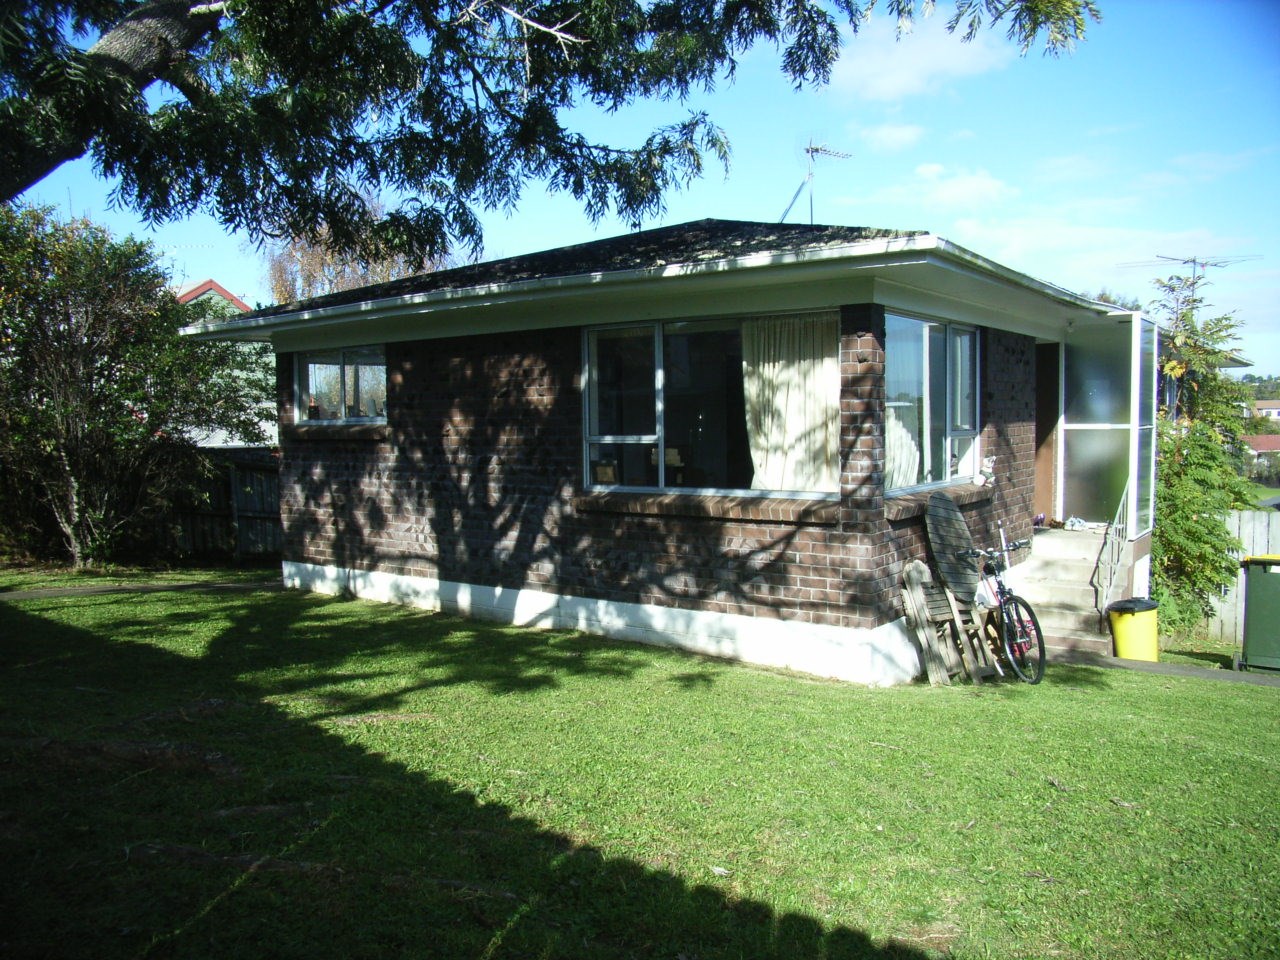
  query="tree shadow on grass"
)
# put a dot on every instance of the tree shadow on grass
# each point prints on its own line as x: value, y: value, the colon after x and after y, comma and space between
x: 160, y: 804
x: 1222, y: 661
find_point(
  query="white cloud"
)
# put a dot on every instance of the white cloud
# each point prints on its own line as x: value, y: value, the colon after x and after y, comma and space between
x: 938, y: 187
x: 1072, y: 168
x: 1199, y: 168
x: 891, y: 137
x: 1208, y: 165
x: 875, y: 66
x: 928, y: 195
x: 1057, y: 247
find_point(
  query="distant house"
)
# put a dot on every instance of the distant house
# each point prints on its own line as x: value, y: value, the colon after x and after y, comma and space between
x: 211, y: 289
x: 226, y: 304
x: 718, y: 435
x: 1263, y: 452
x: 1269, y: 409
x: 239, y: 515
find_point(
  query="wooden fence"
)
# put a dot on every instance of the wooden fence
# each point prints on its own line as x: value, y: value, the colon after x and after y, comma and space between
x: 240, y: 517
x: 1259, y: 531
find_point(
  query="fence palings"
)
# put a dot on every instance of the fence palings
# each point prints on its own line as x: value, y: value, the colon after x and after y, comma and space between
x: 1259, y: 532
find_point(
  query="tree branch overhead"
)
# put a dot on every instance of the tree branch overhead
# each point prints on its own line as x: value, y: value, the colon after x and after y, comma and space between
x: 276, y: 118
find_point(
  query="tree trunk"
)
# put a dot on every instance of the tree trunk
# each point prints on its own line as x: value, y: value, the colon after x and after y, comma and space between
x: 149, y: 44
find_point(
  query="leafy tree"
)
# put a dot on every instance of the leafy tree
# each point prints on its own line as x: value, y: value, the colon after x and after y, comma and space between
x: 1260, y: 387
x: 1259, y: 426
x: 1118, y: 299
x: 1199, y: 445
x: 299, y: 269
x: 100, y: 398
x: 277, y: 115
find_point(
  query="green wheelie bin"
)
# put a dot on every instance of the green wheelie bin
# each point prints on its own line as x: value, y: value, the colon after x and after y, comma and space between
x: 1261, y: 643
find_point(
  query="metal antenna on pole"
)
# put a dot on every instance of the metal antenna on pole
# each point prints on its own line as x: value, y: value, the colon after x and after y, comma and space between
x: 819, y: 150
x: 1199, y: 264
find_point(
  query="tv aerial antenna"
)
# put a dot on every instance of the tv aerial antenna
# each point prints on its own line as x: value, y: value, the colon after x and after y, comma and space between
x: 1198, y: 265
x: 814, y: 151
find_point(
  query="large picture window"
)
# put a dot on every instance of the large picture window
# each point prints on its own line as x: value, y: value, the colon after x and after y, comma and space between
x: 931, y: 403
x: 737, y: 405
x: 343, y: 385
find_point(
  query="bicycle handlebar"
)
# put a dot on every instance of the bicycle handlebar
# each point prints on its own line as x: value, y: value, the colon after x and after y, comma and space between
x: 978, y: 553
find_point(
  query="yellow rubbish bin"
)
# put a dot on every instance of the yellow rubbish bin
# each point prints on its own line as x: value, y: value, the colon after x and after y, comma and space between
x: 1133, y: 626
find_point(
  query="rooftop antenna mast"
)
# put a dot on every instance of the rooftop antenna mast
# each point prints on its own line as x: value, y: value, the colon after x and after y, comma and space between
x: 1198, y: 265
x: 813, y: 150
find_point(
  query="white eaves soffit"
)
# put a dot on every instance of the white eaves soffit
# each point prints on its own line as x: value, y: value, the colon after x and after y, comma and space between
x: 923, y: 274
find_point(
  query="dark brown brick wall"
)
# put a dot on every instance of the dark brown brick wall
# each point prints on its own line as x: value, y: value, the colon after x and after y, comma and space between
x: 1009, y: 430
x: 476, y: 479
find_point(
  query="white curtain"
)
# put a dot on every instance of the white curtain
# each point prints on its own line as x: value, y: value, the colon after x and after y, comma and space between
x: 791, y: 376
x: 901, y: 452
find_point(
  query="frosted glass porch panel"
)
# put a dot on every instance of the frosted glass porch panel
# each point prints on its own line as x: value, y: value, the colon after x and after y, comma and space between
x: 1096, y: 380
x: 1097, y: 468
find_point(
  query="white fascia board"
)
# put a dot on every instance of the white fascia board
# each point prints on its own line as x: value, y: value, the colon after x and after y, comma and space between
x: 766, y: 281
x: 998, y: 271
x: 731, y: 270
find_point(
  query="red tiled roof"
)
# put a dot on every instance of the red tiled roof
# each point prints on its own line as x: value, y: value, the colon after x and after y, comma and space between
x: 1264, y: 442
x: 213, y: 286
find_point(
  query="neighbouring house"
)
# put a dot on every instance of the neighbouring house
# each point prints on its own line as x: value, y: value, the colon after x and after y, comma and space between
x: 1268, y: 409
x: 1263, y: 454
x: 212, y: 290
x: 238, y: 513
x: 719, y: 435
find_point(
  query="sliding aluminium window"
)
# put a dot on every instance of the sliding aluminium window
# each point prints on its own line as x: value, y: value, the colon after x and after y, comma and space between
x: 342, y: 386
x: 931, y: 403
x: 740, y: 405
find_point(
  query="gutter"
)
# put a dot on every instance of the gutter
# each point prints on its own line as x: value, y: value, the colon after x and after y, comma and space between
x: 868, y: 254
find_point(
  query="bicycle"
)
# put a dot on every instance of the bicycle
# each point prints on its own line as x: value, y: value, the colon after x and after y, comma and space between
x: 1018, y: 630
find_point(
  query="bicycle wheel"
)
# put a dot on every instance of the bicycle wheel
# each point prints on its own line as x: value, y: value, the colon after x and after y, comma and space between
x: 1022, y: 640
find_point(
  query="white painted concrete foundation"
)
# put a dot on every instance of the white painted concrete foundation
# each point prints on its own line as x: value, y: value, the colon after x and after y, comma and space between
x: 880, y: 657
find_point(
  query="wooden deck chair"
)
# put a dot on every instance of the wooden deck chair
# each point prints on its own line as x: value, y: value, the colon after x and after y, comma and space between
x: 949, y: 539
x: 929, y: 614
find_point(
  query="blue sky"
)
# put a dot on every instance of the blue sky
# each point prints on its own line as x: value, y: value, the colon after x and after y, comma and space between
x: 1158, y: 136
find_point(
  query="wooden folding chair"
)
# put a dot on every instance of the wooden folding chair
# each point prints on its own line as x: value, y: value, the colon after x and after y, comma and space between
x: 950, y: 541
x: 929, y: 613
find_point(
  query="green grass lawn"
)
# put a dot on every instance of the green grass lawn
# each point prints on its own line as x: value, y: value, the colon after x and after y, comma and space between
x: 52, y: 576
x: 191, y: 774
x: 1198, y: 650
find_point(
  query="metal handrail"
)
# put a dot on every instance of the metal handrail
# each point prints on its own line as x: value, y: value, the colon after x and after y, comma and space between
x: 1110, y: 556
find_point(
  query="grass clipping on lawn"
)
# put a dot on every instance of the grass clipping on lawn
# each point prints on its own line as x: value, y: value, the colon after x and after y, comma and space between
x: 205, y: 774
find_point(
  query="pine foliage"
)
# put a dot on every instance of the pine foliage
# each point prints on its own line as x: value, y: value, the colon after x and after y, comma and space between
x: 279, y: 116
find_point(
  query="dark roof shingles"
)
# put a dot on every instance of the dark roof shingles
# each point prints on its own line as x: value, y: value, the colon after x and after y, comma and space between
x: 700, y: 241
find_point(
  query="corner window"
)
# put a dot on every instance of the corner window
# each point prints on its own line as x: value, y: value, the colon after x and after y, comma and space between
x: 723, y: 405
x: 931, y: 403
x: 342, y: 386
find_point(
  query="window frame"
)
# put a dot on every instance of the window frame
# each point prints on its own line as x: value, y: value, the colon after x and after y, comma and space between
x: 657, y: 440
x: 347, y: 357
x: 953, y: 428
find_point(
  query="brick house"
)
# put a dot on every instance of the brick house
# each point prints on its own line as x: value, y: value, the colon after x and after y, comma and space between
x: 719, y: 436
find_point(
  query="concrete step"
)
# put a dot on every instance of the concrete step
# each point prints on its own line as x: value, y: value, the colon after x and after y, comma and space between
x: 1060, y: 620
x: 1042, y: 570
x: 1056, y: 579
x: 1064, y: 646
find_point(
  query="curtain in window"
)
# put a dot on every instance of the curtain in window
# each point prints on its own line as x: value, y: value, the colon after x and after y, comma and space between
x: 791, y: 381
x: 902, y: 453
